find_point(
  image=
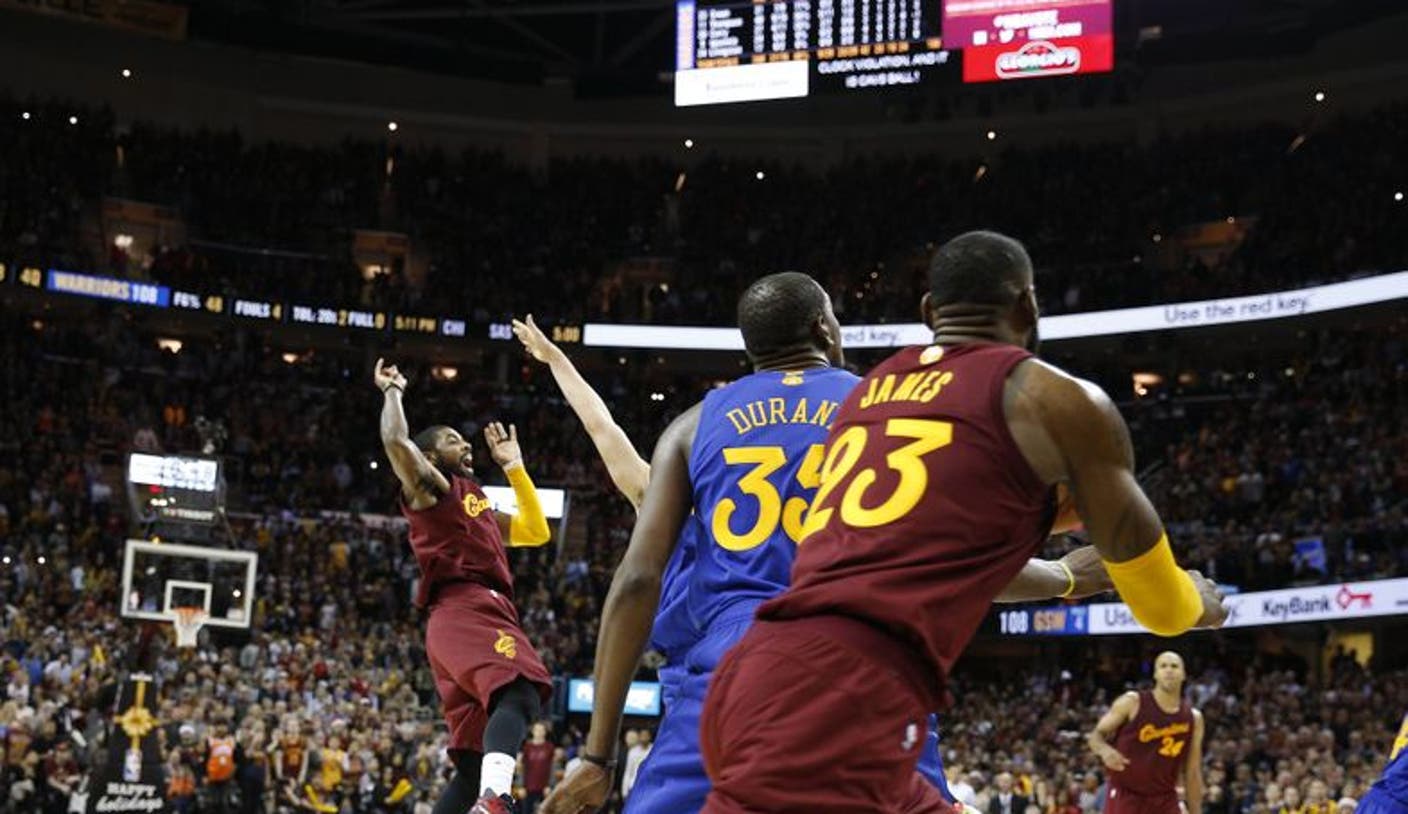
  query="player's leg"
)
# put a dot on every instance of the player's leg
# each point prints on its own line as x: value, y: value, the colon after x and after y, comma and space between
x: 673, y: 778
x: 801, y: 718
x: 463, y: 788
x: 931, y: 765
x: 511, y: 710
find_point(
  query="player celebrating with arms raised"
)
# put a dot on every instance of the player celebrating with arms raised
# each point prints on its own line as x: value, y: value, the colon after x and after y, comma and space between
x: 936, y: 487
x: 1158, y: 738
x: 490, y: 680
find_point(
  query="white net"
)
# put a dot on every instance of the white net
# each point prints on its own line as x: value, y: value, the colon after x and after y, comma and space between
x: 187, y: 623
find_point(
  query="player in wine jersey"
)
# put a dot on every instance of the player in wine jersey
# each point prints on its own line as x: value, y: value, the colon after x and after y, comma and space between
x: 1158, y: 741
x: 709, y: 605
x: 1390, y: 794
x: 490, y: 680
x: 936, y: 487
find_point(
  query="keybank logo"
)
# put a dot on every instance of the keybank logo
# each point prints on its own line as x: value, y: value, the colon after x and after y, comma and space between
x: 1038, y: 58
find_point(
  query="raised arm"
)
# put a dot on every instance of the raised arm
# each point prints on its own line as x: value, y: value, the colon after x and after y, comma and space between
x: 418, y: 477
x: 1091, y: 449
x: 628, y: 470
x: 1120, y: 713
x: 628, y: 613
x: 530, y: 526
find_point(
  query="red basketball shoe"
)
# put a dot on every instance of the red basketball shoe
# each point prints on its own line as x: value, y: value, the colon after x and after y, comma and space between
x: 489, y: 804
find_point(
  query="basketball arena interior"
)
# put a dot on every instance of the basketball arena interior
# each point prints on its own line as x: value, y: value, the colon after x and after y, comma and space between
x: 225, y: 225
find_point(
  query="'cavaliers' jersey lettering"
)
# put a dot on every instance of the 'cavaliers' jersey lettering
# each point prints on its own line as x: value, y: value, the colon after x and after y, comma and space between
x: 754, y: 466
x: 925, y: 508
x: 1156, y: 743
x: 458, y: 540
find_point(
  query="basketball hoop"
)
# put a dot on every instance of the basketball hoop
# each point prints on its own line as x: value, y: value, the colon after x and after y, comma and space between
x: 188, y: 622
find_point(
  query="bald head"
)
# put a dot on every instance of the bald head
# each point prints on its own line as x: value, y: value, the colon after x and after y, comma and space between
x: 786, y: 313
x: 1169, y: 672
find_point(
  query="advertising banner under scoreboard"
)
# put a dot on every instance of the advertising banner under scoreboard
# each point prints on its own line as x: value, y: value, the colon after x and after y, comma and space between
x: 1341, y: 601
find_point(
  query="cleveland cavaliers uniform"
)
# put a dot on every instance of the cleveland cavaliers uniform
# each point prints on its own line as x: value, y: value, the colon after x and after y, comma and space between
x: 1156, y: 744
x: 473, y: 638
x: 926, y: 510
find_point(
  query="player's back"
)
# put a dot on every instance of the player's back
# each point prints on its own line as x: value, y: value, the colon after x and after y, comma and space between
x: 754, y: 467
x: 927, y: 507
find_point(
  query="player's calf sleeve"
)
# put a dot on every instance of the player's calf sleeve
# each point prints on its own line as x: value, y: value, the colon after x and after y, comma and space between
x: 1160, y: 594
x: 513, y: 708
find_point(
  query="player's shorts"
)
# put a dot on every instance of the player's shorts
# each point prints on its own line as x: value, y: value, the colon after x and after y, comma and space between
x: 672, y: 778
x: 1123, y: 801
x: 477, y: 647
x: 1377, y: 801
x: 818, y: 715
x: 931, y: 765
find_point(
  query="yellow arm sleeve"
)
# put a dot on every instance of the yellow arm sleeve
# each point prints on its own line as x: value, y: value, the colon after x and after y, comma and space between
x: 529, y: 527
x: 1160, y: 594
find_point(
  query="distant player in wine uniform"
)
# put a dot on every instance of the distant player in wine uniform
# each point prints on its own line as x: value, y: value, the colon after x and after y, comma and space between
x: 1150, y: 741
x: 1390, y: 794
x: 936, y: 486
x: 490, y: 680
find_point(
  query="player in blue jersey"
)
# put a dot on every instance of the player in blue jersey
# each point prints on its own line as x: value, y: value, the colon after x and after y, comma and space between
x: 1390, y: 794
x: 746, y: 463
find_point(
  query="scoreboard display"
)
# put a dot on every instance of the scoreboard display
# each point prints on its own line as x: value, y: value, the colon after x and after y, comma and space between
x: 732, y: 51
x: 740, y: 51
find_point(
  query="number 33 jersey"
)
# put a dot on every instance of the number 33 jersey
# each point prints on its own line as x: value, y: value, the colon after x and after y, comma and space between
x: 754, y: 467
x: 926, y: 508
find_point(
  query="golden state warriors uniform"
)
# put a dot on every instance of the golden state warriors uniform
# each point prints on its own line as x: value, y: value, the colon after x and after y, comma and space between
x: 1390, y: 794
x: 754, y: 465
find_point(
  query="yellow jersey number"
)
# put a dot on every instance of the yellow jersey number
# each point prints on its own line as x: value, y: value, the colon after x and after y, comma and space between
x: 857, y: 508
x: 772, y: 511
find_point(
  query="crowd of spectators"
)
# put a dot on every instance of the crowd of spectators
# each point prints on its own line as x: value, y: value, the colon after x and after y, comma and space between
x: 1103, y: 221
x: 1297, y: 444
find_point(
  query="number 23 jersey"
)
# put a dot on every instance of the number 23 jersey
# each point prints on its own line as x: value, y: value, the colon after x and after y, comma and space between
x: 926, y: 509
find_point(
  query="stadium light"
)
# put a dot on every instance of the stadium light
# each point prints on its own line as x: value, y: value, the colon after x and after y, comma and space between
x: 689, y: 144
x: 1398, y: 196
x: 393, y: 126
x: 126, y: 73
x: 7, y: 560
x: 42, y: 559
x: 992, y: 135
x: 1319, y: 95
x: 25, y: 115
x: 73, y: 120
x: 760, y: 175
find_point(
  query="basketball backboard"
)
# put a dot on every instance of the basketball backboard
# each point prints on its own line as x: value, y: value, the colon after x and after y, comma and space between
x: 159, y: 577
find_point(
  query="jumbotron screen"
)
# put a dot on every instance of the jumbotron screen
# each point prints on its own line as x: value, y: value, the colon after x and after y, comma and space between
x: 732, y: 51
x: 1030, y: 39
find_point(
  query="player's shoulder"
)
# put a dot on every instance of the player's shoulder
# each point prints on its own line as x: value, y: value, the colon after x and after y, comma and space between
x: 1055, y: 398
x: 1129, y: 701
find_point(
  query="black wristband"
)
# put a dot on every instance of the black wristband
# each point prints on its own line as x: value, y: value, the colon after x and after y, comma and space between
x: 609, y: 765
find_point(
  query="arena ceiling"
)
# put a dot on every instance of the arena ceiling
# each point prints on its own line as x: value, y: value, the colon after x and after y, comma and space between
x: 609, y: 47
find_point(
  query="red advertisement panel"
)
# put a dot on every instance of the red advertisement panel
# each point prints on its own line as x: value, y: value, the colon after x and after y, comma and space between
x: 1034, y: 59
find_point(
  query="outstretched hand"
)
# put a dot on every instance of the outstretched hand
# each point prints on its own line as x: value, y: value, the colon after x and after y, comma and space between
x: 584, y: 789
x: 1215, y: 610
x: 387, y: 376
x: 535, y: 341
x: 503, y: 444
